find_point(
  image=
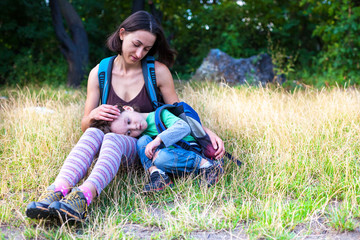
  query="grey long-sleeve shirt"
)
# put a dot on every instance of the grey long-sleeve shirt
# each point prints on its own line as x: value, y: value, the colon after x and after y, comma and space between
x: 175, y: 133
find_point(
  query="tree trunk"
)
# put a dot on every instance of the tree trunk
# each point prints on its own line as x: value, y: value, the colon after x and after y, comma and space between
x: 138, y: 5
x: 156, y: 13
x: 75, y: 50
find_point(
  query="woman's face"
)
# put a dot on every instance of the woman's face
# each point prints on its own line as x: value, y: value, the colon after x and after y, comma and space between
x: 136, y: 44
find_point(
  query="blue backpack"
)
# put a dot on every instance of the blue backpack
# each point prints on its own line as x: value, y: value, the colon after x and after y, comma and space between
x: 183, y: 110
x: 202, y: 145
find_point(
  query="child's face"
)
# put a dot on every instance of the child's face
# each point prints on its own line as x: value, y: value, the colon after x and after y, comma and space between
x: 129, y: 123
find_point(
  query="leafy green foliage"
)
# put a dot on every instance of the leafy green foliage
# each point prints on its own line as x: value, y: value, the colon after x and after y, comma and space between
x: 100, y: 19
x: 314, y: 42
x: 37, y: 69
x: 25, y: 32
x: 239, y: 28
x: 338, y: 30
x: 207, y: 26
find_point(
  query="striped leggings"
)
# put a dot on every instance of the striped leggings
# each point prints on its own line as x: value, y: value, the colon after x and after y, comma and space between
x: 114, y: 149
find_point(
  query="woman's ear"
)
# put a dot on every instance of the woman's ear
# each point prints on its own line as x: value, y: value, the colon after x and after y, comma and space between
x: 122, y: 33
x: 128, y: 108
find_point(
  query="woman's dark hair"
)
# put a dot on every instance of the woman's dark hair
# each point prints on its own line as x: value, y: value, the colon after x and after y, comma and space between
x: 105, y: 125
x: 143, y: 20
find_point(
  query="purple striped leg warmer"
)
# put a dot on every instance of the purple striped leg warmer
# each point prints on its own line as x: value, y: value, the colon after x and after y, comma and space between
x: 115, y: 148
x: 81, y: 156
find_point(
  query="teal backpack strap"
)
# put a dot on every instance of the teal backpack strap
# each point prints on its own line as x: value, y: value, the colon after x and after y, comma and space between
x: 104, y: 75
x: 148, y: 68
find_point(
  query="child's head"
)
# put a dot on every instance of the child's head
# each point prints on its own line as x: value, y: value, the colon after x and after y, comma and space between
x: 130, y: 123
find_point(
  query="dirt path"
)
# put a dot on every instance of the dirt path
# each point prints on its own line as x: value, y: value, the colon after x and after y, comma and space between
x: 139, y: 232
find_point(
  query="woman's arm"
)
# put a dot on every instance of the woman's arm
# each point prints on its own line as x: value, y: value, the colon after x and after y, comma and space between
x: 92, y: 109
x: 165, y: 83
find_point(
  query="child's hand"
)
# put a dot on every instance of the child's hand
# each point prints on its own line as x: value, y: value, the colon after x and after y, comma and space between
x: 151, y: 147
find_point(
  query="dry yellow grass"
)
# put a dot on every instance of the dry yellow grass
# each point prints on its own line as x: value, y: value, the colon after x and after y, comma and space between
x: 300, y: 153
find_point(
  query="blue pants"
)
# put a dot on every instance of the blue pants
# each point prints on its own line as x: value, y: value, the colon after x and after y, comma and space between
x: 170, y: 160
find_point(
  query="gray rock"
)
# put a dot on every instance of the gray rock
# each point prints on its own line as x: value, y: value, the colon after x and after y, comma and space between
x: 218, y: 66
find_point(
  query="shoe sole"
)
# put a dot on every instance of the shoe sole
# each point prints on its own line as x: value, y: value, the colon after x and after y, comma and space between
x: 38, y: 212
x: 63, y: 214
x: 170, y: 184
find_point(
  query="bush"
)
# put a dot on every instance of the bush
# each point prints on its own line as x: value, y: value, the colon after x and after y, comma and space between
x: 27, y: 69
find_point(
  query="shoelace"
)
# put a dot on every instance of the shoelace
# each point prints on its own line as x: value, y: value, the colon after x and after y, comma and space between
x: 77, y: 204
x: 73, y: 199
x: 49, y: 195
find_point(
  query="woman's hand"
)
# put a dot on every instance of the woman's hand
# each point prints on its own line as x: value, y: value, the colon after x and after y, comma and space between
x: 152, y: 146
x: 217, y: 144
x: 105, y: 112
x: 92, y: 110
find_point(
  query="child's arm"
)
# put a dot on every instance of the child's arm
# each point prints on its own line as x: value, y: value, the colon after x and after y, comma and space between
x: 173, y: 134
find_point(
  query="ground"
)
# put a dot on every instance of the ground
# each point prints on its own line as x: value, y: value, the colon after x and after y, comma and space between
x: 140, y: 232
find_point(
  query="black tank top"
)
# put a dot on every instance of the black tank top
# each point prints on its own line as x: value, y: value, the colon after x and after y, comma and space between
x: 142, y: 101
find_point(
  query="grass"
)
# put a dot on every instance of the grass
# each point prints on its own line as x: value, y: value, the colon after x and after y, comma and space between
x: 300, y: 152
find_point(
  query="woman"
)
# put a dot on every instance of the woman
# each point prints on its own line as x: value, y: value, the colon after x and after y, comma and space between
x: 138, y: 36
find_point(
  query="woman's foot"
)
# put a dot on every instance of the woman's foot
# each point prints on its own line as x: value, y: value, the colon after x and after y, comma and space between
x: 40, y: 209
x: 72, y: 207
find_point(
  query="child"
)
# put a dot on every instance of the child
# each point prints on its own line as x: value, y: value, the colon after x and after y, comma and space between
x: 168, y: 159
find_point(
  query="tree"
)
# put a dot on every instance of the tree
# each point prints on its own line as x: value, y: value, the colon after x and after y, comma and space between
x: 75, y: 50
x: 138, y: 5
x: 338, y: 30
x: 26, y: 41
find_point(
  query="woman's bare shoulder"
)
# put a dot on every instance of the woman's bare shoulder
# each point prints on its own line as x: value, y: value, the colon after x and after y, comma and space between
x: 162, y: 73
x: 93, y: 77
x: 94, y: 70
x: 165, y: 82
x: 161, y: 68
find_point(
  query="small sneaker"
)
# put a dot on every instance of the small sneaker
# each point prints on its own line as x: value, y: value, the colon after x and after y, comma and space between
x: 157, y: 182
x: 72, y: 207
x: 40, y: 209
x: 212, y: 173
